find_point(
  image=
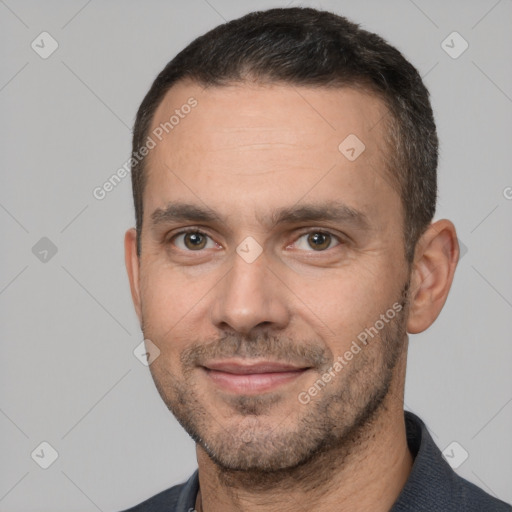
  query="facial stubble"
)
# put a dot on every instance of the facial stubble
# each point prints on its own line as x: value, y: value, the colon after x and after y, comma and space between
x: 254, y: 440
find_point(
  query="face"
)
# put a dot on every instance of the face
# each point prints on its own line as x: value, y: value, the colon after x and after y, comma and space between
x: 272, y: 275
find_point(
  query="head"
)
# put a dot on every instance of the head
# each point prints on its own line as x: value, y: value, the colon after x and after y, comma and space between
x: 284, y: 243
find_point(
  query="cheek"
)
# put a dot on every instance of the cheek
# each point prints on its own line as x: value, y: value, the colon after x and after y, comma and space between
x: 342, y: 306
x: 172, y: 306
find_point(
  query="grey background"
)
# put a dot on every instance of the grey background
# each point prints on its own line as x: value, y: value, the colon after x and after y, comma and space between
x: 68, y: 373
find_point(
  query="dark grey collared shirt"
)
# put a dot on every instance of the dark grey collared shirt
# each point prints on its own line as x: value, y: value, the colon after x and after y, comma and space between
x: 432, y: 486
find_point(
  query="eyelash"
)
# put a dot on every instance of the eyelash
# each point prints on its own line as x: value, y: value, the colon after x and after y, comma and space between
x: 189, y: 230
x: 310, y: 231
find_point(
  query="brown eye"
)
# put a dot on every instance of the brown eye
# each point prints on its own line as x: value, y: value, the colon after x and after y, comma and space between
x: 194, y: 241
x: 319, y: 241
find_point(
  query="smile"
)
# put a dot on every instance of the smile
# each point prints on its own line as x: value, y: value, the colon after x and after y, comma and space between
x: 251, y: 377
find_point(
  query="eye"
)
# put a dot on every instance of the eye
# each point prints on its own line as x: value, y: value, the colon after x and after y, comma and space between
x: 193, y: 241
x: 316, y: 240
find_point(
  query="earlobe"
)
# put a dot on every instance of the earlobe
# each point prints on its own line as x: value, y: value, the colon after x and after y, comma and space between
x: 435, y: 260
x: 131, y: 259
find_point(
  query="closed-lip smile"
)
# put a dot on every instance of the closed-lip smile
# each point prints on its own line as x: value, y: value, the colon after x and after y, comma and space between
x: 251, y: 376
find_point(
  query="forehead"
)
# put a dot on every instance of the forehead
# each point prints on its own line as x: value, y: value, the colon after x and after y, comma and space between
x: 251, y: 144
x: 247, y: 105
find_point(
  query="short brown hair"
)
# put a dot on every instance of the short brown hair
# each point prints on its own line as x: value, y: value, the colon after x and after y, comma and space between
x: 304, y: 46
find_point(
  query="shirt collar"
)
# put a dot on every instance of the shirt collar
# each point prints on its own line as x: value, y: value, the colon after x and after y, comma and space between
x: 430, y: 480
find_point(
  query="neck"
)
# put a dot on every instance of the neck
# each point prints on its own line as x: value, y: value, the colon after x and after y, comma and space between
x: 366, y: 473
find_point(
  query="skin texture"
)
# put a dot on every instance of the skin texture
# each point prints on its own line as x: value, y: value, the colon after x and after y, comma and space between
x: 245, y: 152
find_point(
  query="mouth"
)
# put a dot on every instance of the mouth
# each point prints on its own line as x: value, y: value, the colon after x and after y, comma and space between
x: 251, y: 377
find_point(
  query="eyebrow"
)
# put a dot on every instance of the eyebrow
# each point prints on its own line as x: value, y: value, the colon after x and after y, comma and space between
x: 330, y: 211
x: 179, y: 212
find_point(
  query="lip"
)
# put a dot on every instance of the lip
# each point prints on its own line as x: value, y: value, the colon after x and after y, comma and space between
x: 250, y: 376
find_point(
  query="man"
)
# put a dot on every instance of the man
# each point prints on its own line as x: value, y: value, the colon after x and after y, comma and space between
x: 284, y: 179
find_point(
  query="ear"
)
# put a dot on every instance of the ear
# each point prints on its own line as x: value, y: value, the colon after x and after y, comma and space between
x: 131, y: 260
x: 435, y: 260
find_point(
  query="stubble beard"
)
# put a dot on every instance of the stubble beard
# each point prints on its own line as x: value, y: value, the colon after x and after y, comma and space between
x: 335, y: 422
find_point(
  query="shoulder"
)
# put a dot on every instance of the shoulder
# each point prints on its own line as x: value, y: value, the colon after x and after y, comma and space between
x: 434, y: 485
x: 179, y: 498
x: 471, y: 498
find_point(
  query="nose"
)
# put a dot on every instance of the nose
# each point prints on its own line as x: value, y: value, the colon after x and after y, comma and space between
x: 250, y: 297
